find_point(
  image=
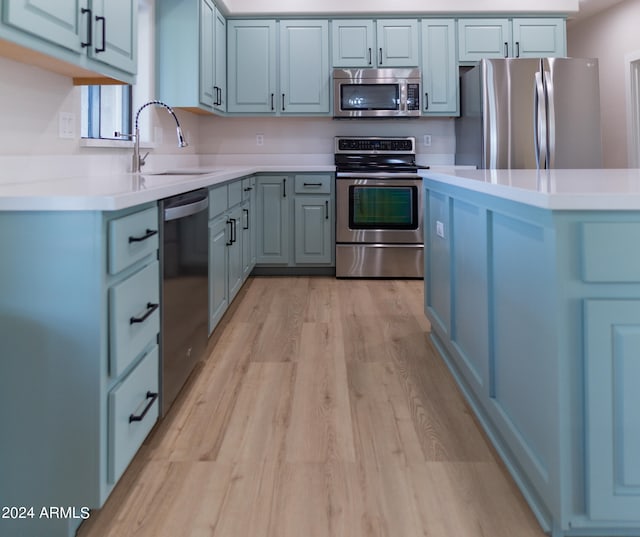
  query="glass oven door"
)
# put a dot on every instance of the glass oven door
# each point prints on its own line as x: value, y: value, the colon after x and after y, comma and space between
x: 379, y: 210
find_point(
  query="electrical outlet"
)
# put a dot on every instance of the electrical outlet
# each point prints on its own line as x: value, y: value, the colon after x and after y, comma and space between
x: 66, y: 125
x: 426, y: 141
x: 259, y: 139
x: 440, y: 229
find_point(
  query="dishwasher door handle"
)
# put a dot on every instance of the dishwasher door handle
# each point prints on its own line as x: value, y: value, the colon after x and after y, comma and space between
x: 180, y: 211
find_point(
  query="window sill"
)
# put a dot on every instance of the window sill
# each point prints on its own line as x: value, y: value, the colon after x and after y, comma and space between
x: 118, y: 144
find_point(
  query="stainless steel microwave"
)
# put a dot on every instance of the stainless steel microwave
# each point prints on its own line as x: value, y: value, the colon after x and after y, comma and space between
x: 376, y: 93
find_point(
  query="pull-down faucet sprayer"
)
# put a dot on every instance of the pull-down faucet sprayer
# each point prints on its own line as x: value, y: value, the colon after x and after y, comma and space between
x: 138, y: 161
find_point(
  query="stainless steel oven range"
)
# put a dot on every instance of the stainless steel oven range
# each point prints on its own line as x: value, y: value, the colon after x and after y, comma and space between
x: 379, y: 230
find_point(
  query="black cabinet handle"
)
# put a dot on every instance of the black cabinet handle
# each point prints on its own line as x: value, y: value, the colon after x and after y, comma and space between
x: 426, y: 101
x: 506, y: 49
x: 283, y: 102
x: 89, y: 28
x: 370, y: 58
x: 326, y: 206
x: 104, y: 34
x: 284, y: 187
x: 152, y: 399
x: 235, y: 230
x: 149, y: 233
x: 380, y: 55
x: 312, y: 184
x: 272, y: 106
x: 246, y: 212
x: 230, y: 224
x: 517, y: 49
x: 150, y: 309
x: 248, y: 189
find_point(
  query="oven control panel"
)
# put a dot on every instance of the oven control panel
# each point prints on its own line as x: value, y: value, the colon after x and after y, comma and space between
x: 375, y: 145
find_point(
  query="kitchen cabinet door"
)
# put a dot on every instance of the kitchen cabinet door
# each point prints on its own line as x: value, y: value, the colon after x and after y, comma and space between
x: 208, y: 93
x: 312, y: 229
x: 251, y: 47
x: 538, y: 38
x: 61, y: 22
x: 115, y: 33
x: 220, y: 67
x: 397, y: 43
x: 218, y: 292
x: 483, y: 38
x: 353, y: 43
x: 304, y: 67
x: 612, y: 375
x: 439, y: 67
x: 234, y: 255
x: 272, y: 215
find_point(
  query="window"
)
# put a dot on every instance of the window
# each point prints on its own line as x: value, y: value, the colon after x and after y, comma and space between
x: 106, y: 110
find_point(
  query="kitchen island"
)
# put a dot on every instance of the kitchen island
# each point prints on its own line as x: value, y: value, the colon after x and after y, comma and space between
x: 532, y: 287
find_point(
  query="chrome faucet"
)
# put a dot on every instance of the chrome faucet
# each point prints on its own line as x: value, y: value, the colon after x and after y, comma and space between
x: 138, y: 161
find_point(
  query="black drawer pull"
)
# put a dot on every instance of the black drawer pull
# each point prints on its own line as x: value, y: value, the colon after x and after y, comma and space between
x: 249, y: 188
x: 89, y: 40
x: 312, y: 184
x: 150, y: 309
x: 104, y: 34
x: 149, y: 233
x: 152, y: 399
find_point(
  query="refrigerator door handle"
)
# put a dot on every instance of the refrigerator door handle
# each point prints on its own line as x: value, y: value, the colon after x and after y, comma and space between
x: 539, y: 122
x: 550, y: 119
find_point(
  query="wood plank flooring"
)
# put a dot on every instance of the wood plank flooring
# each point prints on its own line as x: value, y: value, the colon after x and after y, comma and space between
x: 322, y: 411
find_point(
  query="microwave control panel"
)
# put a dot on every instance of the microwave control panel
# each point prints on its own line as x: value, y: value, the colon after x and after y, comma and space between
x: 413, y: 96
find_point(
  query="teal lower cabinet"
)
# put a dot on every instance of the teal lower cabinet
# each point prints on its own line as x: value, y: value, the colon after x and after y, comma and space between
x: 79, y: 366
x: 231, y: 236
x: 537, y: 314
x: 295, y: 221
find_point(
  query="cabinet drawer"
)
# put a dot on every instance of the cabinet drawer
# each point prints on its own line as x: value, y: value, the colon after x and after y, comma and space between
x: 134, y: 318
x: 132, y: 238
x: 133, y: 409
x: 217, y: 201
x: 235, y: 193
x: 611, y: 252
x: 313, y: 184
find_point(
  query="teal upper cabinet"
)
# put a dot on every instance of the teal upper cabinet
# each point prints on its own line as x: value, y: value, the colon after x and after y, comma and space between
x: 90, y: 37
x: 191, y: 55
x: 56, y: 22
x: 381, y: 43
x: 114, y: 33
x: 304, y: 66
x: 439, y: 67
x: 251, y: 48
x: 220, y: 63
x: 505, y: 38
x: 301, y: 83
x: 534, y: 38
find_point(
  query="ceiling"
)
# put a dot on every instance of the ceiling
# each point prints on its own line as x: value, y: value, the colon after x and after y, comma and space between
x: 591, y: 7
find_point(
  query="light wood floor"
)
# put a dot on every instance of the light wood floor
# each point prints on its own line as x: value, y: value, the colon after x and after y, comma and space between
x: 322, y: 411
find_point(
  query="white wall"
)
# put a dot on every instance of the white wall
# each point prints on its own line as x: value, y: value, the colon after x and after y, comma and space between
x: 610, y: 36
x: 308, y: 135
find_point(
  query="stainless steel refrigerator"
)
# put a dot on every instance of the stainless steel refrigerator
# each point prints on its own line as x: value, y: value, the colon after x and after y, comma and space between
x: 530, y: 113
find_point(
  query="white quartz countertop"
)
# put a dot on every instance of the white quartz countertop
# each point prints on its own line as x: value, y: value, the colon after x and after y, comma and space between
x: 605, y: 189
x: 121, y: 190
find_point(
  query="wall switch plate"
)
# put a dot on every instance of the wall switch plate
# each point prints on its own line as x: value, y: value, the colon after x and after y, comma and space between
x: 426, y: 140
x: 66, y: 125
x: 440, y: 229
x: 259, y: 139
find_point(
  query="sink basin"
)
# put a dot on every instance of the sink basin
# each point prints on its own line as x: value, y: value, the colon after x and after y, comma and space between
x: 183, y: 172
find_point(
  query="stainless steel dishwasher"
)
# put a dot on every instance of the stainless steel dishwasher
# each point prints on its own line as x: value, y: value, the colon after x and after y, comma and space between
x: 184, y: 293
